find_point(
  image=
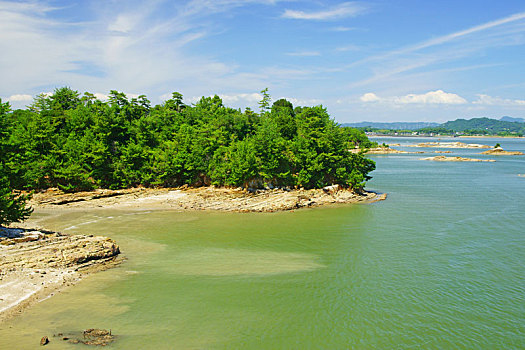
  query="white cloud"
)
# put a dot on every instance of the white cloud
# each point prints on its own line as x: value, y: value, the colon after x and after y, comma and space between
x: 497, y: 101
x: 20, y: 98
x: 139, y: 47
x: 432, y: 97
x: 237, y: 100
x: 438, y: 97
x: 248, y: 98
x: 101, y: 96
x: 124, y: 23
x: 346, y: 9
x: 304, y: 102
x: 369, y: 97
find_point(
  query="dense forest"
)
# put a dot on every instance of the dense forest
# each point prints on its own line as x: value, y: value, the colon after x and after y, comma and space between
x: 79, y: 143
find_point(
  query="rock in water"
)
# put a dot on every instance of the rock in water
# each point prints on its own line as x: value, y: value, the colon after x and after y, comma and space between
x: 44, y: 341
x: 94, y: 336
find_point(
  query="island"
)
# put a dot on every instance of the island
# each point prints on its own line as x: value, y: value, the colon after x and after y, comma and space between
x: 75, y: 152
x: 498, y: 151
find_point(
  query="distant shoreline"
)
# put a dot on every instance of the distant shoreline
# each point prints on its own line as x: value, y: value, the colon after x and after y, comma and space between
x: 449, y: 136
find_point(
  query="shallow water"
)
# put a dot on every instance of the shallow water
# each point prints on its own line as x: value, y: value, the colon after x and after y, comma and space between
x: 439, y: 264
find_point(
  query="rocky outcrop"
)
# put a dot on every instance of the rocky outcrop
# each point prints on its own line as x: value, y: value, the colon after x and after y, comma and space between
x: 213, y: 198
x: 37, y: 250
x: 36, y: 264
x: 500, y: 152
x: 450, y: 145
x: 456, y: 159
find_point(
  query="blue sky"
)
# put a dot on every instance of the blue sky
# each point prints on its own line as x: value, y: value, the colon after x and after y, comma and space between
x: 364, y: 60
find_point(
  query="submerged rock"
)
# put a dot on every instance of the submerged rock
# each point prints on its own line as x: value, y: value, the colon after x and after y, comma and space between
x: 92, y: 336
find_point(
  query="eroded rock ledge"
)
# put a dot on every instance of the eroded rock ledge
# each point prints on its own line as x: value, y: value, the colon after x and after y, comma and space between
x: 203, y: 198
x: 36, y: 264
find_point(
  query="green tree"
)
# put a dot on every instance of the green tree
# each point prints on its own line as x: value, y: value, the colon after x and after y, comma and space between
x: 12, y: 206
x: 83, y: 143
x: 264, y: 103
x: 283, y: 116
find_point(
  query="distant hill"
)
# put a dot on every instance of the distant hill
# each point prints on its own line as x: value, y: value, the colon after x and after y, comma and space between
x: 511, y: 119
x: 484, y: 125
x: 392, y: 126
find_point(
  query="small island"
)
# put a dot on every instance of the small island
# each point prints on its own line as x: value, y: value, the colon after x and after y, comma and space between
x: 79, y: 143
x: 498, y: 151
x: 456, y: 159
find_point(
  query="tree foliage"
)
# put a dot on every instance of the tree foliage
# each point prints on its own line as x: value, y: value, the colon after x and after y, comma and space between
x: 12, y: 205
x: 81, y: 143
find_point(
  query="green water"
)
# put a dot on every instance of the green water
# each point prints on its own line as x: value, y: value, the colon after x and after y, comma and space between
x: 438, y: 265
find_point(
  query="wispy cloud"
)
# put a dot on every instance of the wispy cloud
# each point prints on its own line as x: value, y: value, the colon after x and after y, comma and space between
x: 344, y: 10
x: 446, y: 48
x: 497, y: 101
x: 304, y: 53
x: 342, y: 29
x: 348, y: 48
x: 453, y: 36
x: 129, y: 47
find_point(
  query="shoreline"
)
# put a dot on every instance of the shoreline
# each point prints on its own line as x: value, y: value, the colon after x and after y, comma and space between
x: 448, y: 136
x: 201, y: 198
x: 35, y: 265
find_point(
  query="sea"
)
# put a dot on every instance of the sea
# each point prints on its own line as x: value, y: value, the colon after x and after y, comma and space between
x: 440, y: 264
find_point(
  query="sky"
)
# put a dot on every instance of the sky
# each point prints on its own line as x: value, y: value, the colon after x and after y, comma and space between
x: 380, y: 60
